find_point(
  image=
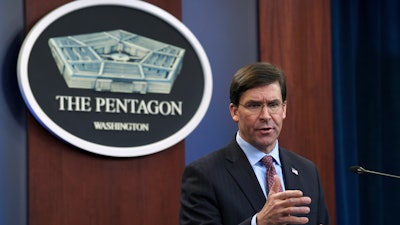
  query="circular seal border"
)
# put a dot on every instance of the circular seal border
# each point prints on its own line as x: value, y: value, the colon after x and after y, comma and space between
x: 40, y: 115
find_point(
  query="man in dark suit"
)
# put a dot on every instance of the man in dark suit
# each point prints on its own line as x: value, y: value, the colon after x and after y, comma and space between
x: 230, y: 186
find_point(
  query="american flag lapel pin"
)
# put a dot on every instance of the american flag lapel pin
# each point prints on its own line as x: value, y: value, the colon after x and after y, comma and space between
x: 294, y: 171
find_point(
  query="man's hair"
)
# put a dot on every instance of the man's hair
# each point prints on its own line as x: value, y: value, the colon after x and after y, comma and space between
x: 256, y: 75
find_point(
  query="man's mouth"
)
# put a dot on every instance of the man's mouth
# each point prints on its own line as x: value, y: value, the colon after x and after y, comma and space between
x: 266, y: 129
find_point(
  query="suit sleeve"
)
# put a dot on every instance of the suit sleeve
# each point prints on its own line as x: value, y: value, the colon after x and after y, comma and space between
x: 323, y: 214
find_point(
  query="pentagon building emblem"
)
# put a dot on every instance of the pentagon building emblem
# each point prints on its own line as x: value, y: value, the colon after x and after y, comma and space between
x: 119, y: 78
x: 117, y: 61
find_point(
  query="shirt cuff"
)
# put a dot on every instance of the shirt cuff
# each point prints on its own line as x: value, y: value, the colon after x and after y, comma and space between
x: 254, y: 220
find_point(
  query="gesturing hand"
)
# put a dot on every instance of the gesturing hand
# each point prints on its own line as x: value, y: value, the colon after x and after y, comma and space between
x: 281, y: 207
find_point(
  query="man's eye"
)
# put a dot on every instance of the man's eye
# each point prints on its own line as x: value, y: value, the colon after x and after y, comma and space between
x: 273, y: 105
x: 253, y: 105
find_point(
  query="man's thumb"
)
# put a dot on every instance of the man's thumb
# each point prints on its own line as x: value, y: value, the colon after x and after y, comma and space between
x: 276, y: 186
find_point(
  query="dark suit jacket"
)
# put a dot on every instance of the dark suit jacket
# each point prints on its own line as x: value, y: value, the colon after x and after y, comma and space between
x: 221, y: 188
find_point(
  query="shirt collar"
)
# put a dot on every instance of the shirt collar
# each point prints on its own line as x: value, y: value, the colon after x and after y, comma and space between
x: 253, y: 154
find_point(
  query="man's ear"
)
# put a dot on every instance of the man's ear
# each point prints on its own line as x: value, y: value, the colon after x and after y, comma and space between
x: 284, y: 110
x: 234, y: 112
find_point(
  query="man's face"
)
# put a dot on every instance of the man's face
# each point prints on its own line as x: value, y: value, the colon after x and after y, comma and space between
x: 260, y: 115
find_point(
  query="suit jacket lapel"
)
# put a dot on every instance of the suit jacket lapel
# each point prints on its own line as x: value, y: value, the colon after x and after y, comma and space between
x: 240, y: 169
x: 290, y: 171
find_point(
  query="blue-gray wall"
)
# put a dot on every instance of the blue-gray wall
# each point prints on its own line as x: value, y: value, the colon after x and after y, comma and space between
x: 227, y: 29
x: 13, y: 184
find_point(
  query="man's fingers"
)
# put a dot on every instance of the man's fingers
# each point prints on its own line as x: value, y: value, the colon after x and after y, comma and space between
x: 297, y: 210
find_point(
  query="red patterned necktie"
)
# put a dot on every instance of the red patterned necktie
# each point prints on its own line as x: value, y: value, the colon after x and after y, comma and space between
x: 269, y: 164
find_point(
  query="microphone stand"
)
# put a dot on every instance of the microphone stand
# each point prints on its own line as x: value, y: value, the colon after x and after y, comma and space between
x: 360, y: 170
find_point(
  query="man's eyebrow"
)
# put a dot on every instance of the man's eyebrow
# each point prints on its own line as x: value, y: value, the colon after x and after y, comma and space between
x: 253, y: 102
x: 260, y: 101
x: 274, y: 101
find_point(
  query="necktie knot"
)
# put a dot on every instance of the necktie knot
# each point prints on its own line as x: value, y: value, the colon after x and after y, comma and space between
x: 268, y: 161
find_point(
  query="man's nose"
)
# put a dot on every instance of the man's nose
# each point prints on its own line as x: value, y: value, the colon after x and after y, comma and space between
x: 264, y: 113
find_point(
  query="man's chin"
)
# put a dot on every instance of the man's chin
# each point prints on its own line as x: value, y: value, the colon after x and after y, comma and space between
x: 266, y: 146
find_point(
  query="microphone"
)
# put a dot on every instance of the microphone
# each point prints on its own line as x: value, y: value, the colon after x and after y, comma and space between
x: 360, y: 170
